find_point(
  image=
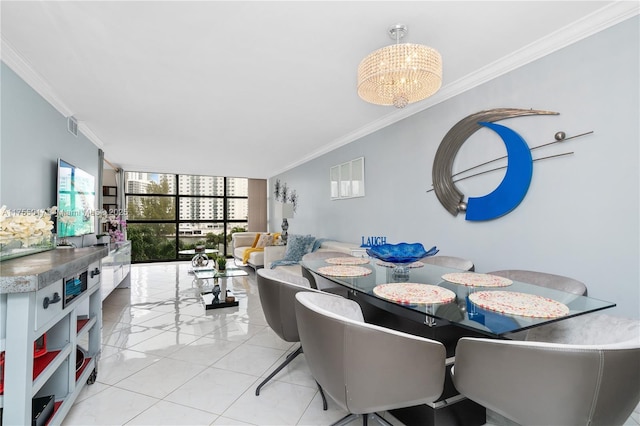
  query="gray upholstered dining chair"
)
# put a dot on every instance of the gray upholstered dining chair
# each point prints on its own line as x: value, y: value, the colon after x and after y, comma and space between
x: 543, y: 279
x: 364, y: 367
x: 321, y: 283
x: 450, y: 262
x: 570, y: 286
x: 277, y: 290
x: 550, y: 383
x: 596, y: 327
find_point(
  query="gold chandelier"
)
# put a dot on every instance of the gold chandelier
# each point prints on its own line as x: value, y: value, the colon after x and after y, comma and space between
x: 399, y: 74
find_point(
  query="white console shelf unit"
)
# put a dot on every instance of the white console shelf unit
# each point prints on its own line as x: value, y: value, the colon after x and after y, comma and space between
x: 116, y: 267
x: 29, y: 308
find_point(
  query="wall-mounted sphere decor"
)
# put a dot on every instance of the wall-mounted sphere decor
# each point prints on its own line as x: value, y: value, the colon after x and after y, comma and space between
x: 515, y: 184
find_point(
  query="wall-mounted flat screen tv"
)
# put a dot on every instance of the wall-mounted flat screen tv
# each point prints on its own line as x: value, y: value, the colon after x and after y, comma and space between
x: 76, y: 201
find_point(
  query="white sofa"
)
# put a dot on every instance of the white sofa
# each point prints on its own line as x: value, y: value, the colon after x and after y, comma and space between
x: 273, y: 253
x: 240, y: 241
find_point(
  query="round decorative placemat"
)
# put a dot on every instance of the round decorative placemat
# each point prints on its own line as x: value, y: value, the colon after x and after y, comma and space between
x: 414, y: 293
x: 416, y: 264
x: 522, y: 304
x: 347, y: 260
x: 344, y: 271
x: 472, y: 279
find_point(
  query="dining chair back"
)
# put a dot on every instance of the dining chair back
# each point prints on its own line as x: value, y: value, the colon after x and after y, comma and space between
x: 324, y: 254
x: 535, y: 383
x: 366, y: 368
x: 543, y: 279
x: 321, y: 283
x: 594, y: 328
x: 450, y: 262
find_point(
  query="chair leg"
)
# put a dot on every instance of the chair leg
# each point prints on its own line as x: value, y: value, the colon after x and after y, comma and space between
x: 365, y: 419
x: 289, y: 358
x: 345, y: 420
x: 324, y: 398
x: 381, y: 419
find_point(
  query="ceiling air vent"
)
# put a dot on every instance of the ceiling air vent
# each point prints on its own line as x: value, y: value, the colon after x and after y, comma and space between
x: 72, y: 126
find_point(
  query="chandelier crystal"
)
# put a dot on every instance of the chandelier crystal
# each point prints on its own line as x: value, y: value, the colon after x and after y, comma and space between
x: 399, y: 74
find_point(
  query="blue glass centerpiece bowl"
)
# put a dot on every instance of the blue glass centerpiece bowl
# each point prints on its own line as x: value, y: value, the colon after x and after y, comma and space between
x: 401, y: 253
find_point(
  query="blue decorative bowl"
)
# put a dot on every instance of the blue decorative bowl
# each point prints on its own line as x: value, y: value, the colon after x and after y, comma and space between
x: 401, y: 253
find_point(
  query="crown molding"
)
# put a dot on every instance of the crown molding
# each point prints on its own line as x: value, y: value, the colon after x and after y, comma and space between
x: 597, y: 21
x: 25, y: 71
x: 82, y: 127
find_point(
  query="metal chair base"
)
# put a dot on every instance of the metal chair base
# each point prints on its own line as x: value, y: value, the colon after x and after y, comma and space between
x: 287, y: 360
x: 365, y: 419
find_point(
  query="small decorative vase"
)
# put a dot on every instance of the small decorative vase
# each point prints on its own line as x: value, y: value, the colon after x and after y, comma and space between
x: 216, y: 293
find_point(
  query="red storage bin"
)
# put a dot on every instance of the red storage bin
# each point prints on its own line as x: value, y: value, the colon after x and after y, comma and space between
x: 1, y: 373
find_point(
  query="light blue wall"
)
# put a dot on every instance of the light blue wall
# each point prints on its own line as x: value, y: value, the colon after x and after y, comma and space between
x: 33, y: 135
x: 580, y: 217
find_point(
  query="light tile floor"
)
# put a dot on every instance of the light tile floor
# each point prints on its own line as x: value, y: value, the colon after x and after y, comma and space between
x: 168, y: 361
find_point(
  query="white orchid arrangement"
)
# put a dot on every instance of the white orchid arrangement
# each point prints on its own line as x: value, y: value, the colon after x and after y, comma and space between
x: 30, y: 226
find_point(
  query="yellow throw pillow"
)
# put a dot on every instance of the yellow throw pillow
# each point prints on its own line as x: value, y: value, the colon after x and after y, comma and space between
x: 264, y: 240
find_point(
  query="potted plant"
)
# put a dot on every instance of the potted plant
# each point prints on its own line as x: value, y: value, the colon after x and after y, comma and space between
x: 221, y: 261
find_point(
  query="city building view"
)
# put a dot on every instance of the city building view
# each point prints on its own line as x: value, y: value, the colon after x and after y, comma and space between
x: 168, y: 213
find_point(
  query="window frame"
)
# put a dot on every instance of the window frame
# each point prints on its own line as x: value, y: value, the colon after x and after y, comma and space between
x: 342, y: 182
x: 225, y: 223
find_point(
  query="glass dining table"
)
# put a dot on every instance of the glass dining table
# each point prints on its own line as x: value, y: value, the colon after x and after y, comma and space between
x: 492, y: 307
x: 446, y: 304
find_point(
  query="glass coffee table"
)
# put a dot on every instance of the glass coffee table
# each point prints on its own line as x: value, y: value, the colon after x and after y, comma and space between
x: 219, y: 296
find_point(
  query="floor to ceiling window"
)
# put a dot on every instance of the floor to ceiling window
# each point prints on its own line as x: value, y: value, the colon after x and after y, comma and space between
x: 168, y: 213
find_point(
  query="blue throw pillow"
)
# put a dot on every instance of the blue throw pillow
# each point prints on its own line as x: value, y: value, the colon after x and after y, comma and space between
x: 298, y: 246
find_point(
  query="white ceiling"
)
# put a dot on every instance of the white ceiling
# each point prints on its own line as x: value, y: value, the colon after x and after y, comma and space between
x: 251, y: 89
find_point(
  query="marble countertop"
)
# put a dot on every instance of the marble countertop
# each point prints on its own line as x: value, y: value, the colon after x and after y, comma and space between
x: 36, y: 271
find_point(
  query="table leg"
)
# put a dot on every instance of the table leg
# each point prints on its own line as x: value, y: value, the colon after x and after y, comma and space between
x: 217, y: 298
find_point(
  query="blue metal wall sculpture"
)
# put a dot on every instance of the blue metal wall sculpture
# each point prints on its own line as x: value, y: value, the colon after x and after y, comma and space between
x: 515, y: 183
